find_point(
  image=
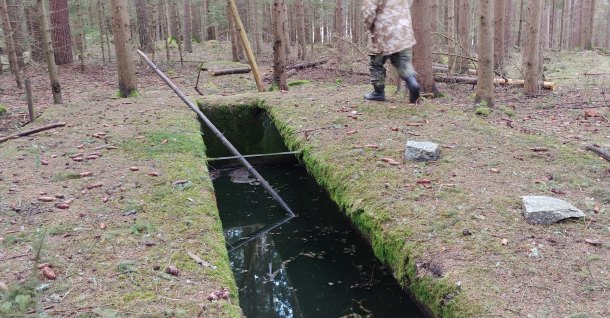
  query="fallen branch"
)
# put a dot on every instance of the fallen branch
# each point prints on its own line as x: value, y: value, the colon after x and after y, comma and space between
x: 604, y: 153
x: 301, y: 66
x: 14, y: 256
x: 31, y: 132
x: 498, y: 81
x: 227, y: 71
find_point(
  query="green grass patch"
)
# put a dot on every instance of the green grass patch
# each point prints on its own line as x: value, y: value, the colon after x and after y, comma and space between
x: 483, y: 111
x: 298, y: 82
x: 3, y: 110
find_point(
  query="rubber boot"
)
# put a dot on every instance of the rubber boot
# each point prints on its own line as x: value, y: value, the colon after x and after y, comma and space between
x: 378, y: 94
x: 414, y: 89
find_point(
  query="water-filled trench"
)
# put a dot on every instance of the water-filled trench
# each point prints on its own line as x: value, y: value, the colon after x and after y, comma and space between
x: 313, y: 265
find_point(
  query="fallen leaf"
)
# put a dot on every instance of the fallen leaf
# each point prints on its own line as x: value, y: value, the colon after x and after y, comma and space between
x: 77, y: 159
x: 92, y: 157
x: 85, y: 174
x: 591, y: 112
x: 134, y: 168
x: 44, y: 162
x: 153, y: 174
x: 3, y: 287
x: 494, y: 170
x: 504, y: 242
x: 95, y: 185
x: 557, y: 191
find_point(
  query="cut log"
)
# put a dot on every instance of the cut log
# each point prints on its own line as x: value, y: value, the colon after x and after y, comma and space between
x: 31, y: 132
x: 498, y: 81
x: 604, y: 153
x: 445, y: 69
x: 306, y: 65
x: 227, y: 71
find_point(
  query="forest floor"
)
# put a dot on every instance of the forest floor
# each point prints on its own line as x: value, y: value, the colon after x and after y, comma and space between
x: 127, y: 217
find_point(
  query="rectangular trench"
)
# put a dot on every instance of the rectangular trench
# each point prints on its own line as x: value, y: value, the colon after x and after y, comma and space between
x: 314, y: 265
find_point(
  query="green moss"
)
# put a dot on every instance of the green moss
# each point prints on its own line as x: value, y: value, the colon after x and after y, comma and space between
x: 64, y: 175
x: 298, y: 82
x: 3, y: 110
x: 482, y: 111
x: 139, y: 295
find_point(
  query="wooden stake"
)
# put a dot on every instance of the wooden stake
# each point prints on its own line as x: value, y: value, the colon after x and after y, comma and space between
x: 28, y: 94
x: 247, y: 47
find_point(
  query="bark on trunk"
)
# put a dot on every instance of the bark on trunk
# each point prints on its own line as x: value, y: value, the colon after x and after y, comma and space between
x: 451, y: 25
x: 301, y: 29
x: 37, y: 49
x: 188, y: 38
x: 422, y: 51
x: 60, y: 22
x: 499, y: 45
x: 10, y: 45
x: 463, y: 31
x: 17, y: 17
x: 279, y: 43
x: 48, y: 47
x: 122, y: 43
x: 531, y: 55
x: 339, y: 25
x: 485, y: 72
x: 144, y: 27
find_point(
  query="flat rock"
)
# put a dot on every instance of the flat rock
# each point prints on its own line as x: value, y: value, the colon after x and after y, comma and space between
x: 421, y: 151
x: 547, y: 210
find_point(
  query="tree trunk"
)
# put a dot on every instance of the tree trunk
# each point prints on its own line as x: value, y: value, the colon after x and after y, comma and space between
x: 608, y: 30
x: 60, y: 22
x: 236, y: 50
x: 531, y: 55
x: 544, y: 25
x: 196, y: 23
x: 485, y: 72
x: 256, y: 27
x: 17, y: 17
x: 80, y: 37
x: 463, y: 32
x: 576, y: 25
x: 37, y: 47
x: 451, y: 34
x: 101, y: 22
x: 279, y: 43
x: 422, y: 51
x: 144, y: 34
x: 521, y: 19
x: 188, y: 38
x: 301, y: 29
x: 176, y: 15
x: 211, y: 29
x: 553, y: 24
x: 339, y: 26
x: 565, y: 15
x: 509, y: 17
x: 122, y: 44
x: 499, y: 47
x: 10, y: 45
x: 48, y: 47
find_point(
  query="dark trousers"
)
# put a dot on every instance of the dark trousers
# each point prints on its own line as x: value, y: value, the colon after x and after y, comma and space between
x: 401, y: 61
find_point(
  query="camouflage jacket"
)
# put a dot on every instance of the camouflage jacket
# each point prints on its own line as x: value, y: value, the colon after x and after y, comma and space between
x: 389, y: 25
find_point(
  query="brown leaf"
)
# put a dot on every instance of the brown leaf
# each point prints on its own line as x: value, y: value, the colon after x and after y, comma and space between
x: 85, y: 174
x: 134, y: 168
x: 44, y: 162
x: 95, y: 185
x: 390, y: 161
x: 558, y: 191
x: 77, y: 159
x: 153, y: 174
x: 92, y: 157
x: 494, y: 170
x: 591, y: 112
x: 48, y: 273
x: 424, y: 181
x: 394, y: 129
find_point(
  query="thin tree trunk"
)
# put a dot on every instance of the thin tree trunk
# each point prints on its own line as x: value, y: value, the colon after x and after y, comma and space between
x: 521, y: 20
x: 422, y: 51
x: 123, y: 46
x: 17, y: 18
x: 544, y: 24
x: 81, y: 35
x: 178, y: 30
x: 188, y: 38
x: 101, y: 19
x: 531, y: 55
x: 196, y: 22
x: 301, y: 29
x: 10, y: 45
x: 608, y: 29
x: 62, y: 41
x: 462, y: 64
x: 279, y: 43
x: 37, y: 47
x: 485, y: 73
x: 48, y: 47
x: 553, y: 24
x: 451, y: 34
x: 565, y: 15
x: 339, y: 26
x: 499, y: 8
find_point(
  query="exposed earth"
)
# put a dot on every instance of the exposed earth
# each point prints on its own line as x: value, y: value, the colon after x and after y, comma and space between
x: 120, y: 198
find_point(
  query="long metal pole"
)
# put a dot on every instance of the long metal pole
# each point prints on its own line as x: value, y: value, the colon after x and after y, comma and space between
x: 218, y: 134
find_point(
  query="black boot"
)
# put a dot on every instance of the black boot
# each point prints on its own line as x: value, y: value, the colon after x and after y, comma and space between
x: 378, y: 94
x: 413, y: 88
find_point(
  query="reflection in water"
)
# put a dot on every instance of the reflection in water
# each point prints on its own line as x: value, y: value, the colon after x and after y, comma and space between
x: 314, y: 265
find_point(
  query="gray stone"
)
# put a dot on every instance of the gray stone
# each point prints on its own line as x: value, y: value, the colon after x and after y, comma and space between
x: 421, y: 151
x: 547, y: 210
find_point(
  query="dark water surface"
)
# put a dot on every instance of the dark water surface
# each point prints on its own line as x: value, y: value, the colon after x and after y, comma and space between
x: 315, y: 265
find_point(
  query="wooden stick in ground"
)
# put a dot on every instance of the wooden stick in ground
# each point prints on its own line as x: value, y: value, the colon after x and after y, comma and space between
x: 237, y: 70
x: 28, y: 95
x: 604, y: 153
x: 32, y: 131
x: 247, y: 47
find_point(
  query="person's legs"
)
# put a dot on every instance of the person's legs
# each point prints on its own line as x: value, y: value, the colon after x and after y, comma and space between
x: 402, y: 62
x: 378, y: 74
